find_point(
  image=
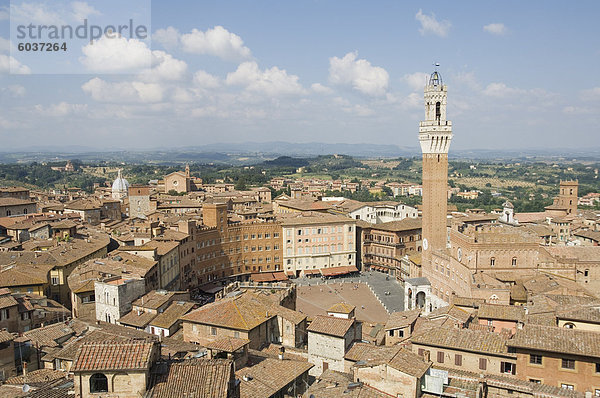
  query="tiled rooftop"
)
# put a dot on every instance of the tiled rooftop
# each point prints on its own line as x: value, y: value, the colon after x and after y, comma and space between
x: 556, y: 339
x: 330, y: 325
x: 114, y: 356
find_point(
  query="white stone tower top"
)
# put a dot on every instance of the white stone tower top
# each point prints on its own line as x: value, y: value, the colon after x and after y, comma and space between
x: 435, y: 132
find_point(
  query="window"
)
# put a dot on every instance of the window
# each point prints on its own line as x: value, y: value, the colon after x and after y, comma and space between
x: 514, y: 261
x: 55, y: 280
x: 98, y: 383
x: 492, y: 261
x: 567, y: 386
x: 458, y: 360
x: 401, y: 333
x: 569, y: 325
x: 25, y: 316
x: 4, y: 314
x: 597, y: 393
x: 391, y: 333
x: 213, y: 331
x: 440, y: 356
x: 236, y: 334
x: 507, y: 367
x: 482, y: 363
x: 568, y: 364
x: 535, y: 359
x: 536, y: 381
x: 598, y: 368
x: 421, y: 351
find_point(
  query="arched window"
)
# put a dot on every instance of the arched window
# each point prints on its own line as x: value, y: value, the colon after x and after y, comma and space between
x: 492, y: 261
x: 98, y: 383
x: 514, y: 261
x: 438, y: 111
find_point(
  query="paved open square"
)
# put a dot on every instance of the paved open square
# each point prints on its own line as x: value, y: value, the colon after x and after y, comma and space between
x: 316, y: 299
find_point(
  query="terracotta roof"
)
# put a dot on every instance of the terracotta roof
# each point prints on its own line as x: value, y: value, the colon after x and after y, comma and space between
x: 239, y: 312
x: 402, y: 319
x: 342, y: 308
x: 370, y: 352
x: 464, y: 339
x: 332, y: 384
x: 138, y: 320
x: 583, y: 313
x: 200, y: 378
x: 37, y: 377
x: 330, y: 325
x: 556, y: 339
x: 6, y: 336
x: 310, y: 217
x: 132, y: 355
x: 155, y: 299
x: 6, y: 300
x: 409, y: 363
x: 405, y: 224
x: 451, y: 311
x: 49, y: 335
x: 70, y: 348
x: 501, y: 312
x: 270, y: 376
x: 227, y: 344
x: 172, y: 314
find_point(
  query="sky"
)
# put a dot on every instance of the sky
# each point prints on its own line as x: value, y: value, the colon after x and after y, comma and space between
x: 520, y: 75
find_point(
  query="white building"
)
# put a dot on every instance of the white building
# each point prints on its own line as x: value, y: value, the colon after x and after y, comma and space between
x: 115, y: 295
x: 312, y: 241
x: 380, y: 212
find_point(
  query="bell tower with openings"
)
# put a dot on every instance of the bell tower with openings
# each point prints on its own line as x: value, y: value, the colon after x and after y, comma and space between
x: 435, y: 135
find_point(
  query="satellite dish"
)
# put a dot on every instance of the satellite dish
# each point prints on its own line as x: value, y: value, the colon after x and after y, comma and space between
x: 26, y: 388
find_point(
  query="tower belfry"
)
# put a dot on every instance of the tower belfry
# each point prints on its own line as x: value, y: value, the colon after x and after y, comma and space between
x: 435, y: 135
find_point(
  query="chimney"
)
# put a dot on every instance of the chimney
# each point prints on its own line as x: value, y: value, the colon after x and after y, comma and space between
x: 281, y: 352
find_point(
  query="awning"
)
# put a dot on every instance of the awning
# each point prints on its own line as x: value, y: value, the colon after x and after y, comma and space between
x: 211, y: 288
x: 310, y: 272
x: 333, y: 271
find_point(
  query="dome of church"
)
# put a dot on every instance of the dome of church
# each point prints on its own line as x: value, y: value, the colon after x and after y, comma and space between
x: 120, y: 185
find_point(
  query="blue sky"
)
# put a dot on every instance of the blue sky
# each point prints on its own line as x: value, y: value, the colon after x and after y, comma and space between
x: 520, y: 75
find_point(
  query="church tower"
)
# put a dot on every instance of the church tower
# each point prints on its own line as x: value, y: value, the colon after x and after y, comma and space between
x: 435, y: 135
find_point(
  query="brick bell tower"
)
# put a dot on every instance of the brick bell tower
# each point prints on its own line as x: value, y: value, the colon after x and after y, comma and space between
x: 435, y: 135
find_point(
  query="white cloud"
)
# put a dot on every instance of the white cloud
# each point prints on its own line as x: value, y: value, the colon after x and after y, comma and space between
x: 578, y: 110
x: 103, y: 91
x: 60, y: 109
x: 217, y: 41
x: 82, y: 10
x: 498, y: 29
x: 413, y: 101
x: 169, y: 37
x: 35, y: 13
x: 590, y: 94
x: 467, y: 79
x: 4, y: 44
x: 501, y: 90
x: 164, y: 68
x: 416, y: 81
x: 9, y: 64
x: 206, y: 80
x: 272, y: 82
x: 321, y: 89
x: 182, y: 95
x: 429, y: 24
x: 360, y: 74
x: 118, y: 54
x: 359, y: 110
x: 14, y: 90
